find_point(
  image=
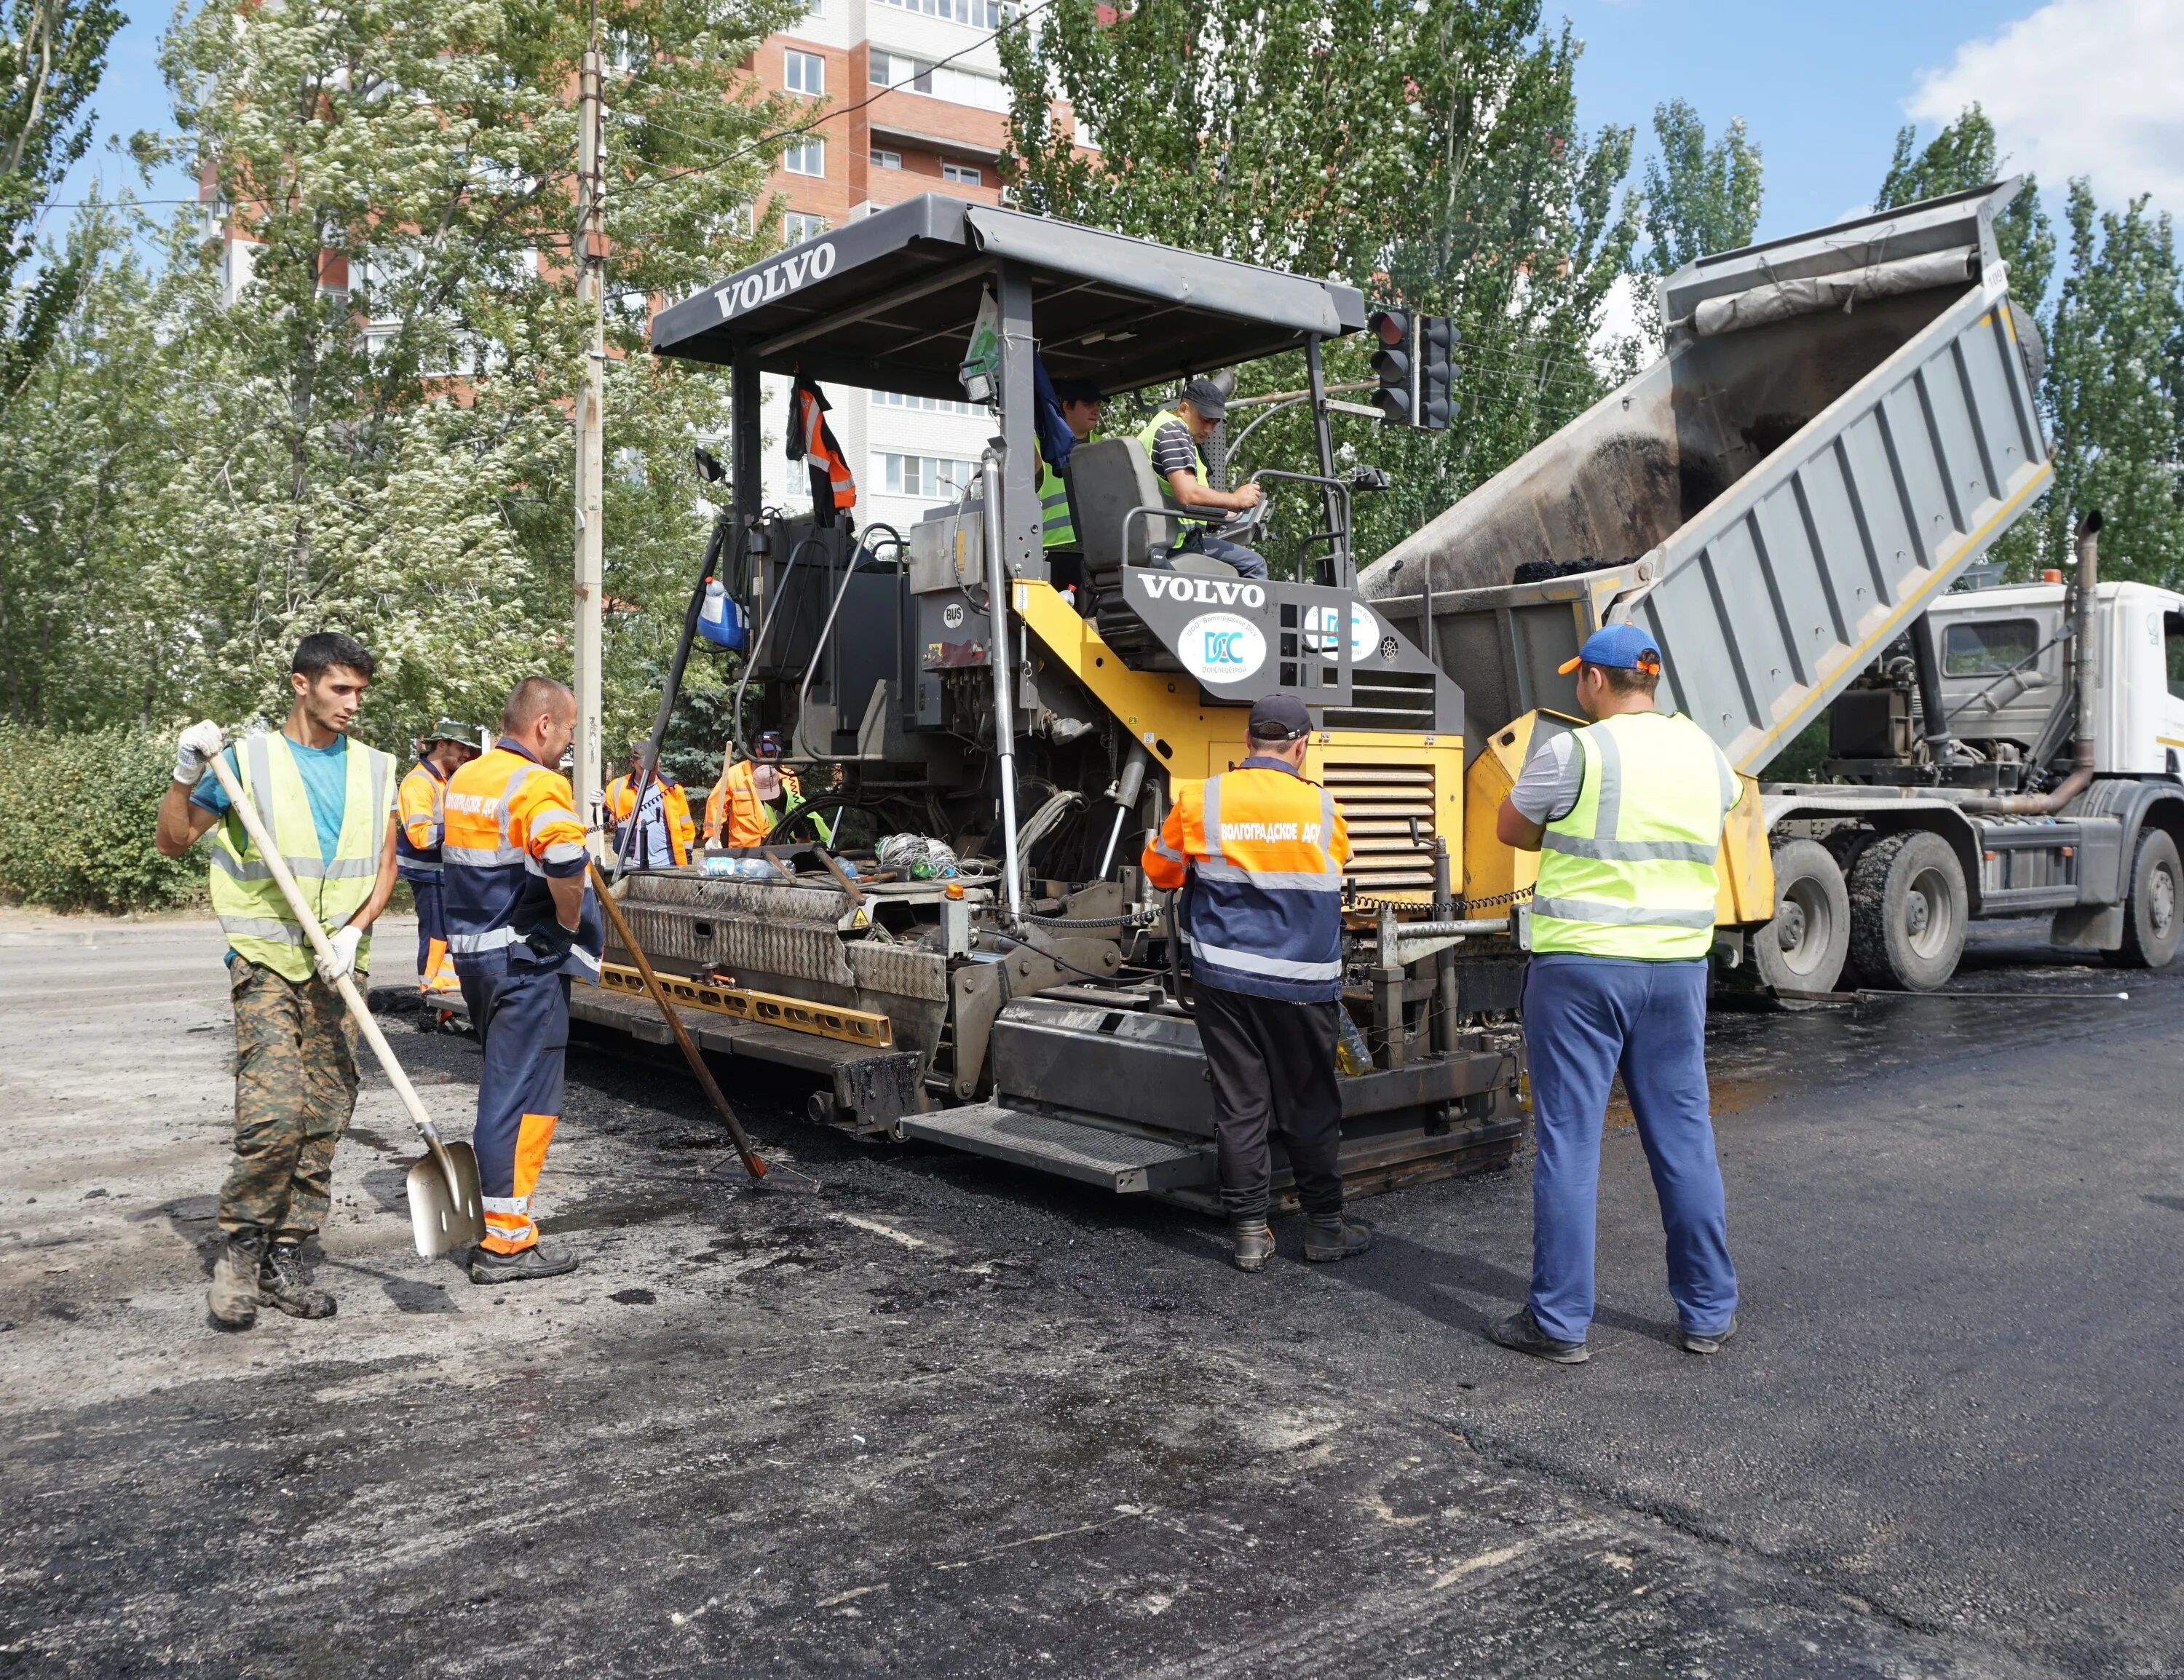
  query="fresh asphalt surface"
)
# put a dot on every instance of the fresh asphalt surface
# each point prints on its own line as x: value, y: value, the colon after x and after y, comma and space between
x: 938, y: 1416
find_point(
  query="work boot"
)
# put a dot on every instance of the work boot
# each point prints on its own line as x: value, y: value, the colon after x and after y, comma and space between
x: 1695, y: 1343
x: 1255, y: 1244
x: 233, y: 1297
x: 285, y: 1282
x: 1522, y: 1331
x: 1335, y: 1237
x: 521, y: 1266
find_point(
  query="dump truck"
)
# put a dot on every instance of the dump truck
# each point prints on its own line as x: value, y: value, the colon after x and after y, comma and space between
x: 1841, y: 424
x: 968, y: 953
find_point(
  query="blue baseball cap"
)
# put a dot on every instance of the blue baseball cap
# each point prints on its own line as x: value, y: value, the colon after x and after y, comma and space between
x: 1619, y: 646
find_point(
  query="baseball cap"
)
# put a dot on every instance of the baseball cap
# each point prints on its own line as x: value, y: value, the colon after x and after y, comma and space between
x: 1279, y: 717
x: 769, y: 743
x: 1619, y: 646
x: 1205, y: 396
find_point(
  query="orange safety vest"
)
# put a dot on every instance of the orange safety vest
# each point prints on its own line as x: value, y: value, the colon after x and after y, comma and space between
x: 1260, y: 850
x: 682, y: 831
x: 735, y: 816
x: 811, y: 441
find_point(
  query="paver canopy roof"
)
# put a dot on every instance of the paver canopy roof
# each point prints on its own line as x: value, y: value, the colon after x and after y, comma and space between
x: 888, y: 301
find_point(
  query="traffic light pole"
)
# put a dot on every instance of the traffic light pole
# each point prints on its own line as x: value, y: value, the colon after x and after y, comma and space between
x: 1322, y: 438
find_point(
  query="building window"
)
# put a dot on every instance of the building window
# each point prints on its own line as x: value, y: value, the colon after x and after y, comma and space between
x: 798, y: 225
x: 982, y: 14
x: 805, y: 72
x: 927, y: 475
x: 931, y: 405
x: 807, y: 156
x: 893, y: 70
x: 963, y: 174
x: 886, y: 161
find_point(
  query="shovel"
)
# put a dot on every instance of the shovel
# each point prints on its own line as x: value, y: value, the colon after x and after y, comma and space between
x: 444, y: 1211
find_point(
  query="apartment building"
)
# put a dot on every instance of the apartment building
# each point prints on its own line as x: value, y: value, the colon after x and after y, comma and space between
x: 930, y: 127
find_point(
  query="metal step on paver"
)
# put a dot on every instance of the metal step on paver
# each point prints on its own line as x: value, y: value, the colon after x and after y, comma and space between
x: 1125, y: 1162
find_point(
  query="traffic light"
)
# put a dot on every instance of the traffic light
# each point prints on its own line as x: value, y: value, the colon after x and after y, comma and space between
x: 1396, y: 362
x: 1437, y: 338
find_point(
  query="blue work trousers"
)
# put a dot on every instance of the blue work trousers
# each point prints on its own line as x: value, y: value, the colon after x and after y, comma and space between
x: 1247, y: 562
x: 1586, y: 1018
x: 523, y: 1020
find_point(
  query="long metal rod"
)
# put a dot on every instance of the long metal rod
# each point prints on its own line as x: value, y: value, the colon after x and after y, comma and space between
x: 1325, y: 441
x: 1127, y: 786
x: 661, y: 1002
x: 997, y: 656
x: 647, y: 771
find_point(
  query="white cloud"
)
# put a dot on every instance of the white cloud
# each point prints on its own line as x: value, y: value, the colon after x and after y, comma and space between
x: 2081, y: 87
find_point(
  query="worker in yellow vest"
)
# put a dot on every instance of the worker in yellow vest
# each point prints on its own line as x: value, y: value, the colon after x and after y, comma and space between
x: 1080, y: 401
x: 1171, y: 441
x: 330, y: 803
x: 1627, y: 817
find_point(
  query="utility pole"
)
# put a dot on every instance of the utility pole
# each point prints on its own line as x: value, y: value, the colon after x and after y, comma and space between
x: 591, y: 400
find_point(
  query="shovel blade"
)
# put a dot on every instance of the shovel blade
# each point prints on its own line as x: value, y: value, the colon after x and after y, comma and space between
x: 441, y: 1218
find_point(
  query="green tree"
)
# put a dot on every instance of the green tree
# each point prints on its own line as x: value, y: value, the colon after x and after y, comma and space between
x: 1699, y: 198
x: 1429, y: 155
x: 77, y: 446
x: 372, y: 433
x: 2115, y: 391
x: 1964, y: 155
x: 51, y: 54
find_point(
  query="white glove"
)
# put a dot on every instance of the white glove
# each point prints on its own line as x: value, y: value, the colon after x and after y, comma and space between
x: 199, y: 745
x: 343, y: 960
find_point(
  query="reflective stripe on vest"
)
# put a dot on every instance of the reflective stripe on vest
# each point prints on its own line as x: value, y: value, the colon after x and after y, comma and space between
x: 1150, y: 430
x: 1629, y: 872
x: 1056, y: 528
x: 253, y: 911
x: 1273, y: 932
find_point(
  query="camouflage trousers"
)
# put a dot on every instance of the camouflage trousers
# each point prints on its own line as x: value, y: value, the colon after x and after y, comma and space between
x: 295, y: 1086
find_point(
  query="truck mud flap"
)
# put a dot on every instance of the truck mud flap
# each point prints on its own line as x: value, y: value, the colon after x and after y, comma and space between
x: 1125, y: 1162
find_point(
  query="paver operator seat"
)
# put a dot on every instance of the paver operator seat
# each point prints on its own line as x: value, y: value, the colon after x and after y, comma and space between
x: 1107, y: 482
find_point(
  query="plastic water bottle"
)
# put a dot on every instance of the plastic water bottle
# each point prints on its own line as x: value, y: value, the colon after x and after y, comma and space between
x: 720, y: 620
x: 1353, y: 1056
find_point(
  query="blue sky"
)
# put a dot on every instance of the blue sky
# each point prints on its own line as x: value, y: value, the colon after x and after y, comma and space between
x: 2076, y: 87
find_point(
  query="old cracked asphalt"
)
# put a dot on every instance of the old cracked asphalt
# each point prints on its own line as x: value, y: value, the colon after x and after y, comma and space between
x: 938, y: 1417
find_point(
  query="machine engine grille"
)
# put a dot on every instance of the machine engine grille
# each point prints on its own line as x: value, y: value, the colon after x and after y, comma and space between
x: 1382, y: 802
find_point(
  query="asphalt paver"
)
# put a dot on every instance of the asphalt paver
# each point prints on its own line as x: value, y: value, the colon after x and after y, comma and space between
x: 902, y: 1411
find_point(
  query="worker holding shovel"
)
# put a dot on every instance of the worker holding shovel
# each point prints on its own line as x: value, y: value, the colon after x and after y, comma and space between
x: 328, y: 804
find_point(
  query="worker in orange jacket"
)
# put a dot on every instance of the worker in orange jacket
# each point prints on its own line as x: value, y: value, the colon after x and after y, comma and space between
x: 667, y: 832
x: 751, y: 797
x: 447, y: 749
x: 1258, y: 853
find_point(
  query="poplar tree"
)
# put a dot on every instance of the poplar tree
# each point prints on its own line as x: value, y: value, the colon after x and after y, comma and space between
x: 1429, y: 155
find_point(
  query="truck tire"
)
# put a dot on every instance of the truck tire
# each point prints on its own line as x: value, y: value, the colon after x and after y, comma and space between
x: 2151, y: 914
x: 1908, y: 912
x: 1804, y: 948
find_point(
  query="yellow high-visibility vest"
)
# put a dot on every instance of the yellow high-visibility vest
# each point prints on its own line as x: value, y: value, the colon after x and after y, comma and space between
x: 1629, y: 872
x: 253, y: 911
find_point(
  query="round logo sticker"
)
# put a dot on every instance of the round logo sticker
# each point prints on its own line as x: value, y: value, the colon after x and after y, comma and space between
x: 1222, y: 648
x: 952, y: 616
x: 1320, y: 631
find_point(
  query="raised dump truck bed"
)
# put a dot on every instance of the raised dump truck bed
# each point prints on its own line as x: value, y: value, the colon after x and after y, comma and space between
x: 1843, y: 422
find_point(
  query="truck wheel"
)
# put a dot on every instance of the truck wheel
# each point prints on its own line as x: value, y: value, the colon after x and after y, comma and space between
x: 1908, y: 912
x: 2151, y: 922
x: 1804, y: 948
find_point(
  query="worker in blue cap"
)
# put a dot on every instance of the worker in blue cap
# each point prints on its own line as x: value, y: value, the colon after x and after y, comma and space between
x: 1626, y: 815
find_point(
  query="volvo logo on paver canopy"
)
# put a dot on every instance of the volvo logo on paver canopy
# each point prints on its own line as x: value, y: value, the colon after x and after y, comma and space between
x: 1207, y: 591
x: 784, y: 277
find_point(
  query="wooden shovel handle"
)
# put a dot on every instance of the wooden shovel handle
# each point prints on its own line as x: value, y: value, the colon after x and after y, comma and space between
x: 691, y: 1054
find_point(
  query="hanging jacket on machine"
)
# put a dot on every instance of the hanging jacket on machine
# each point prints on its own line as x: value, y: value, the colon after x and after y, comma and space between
x: 811, y: 441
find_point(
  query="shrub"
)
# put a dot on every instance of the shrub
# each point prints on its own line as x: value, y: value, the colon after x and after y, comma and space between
x: 76, y: 815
